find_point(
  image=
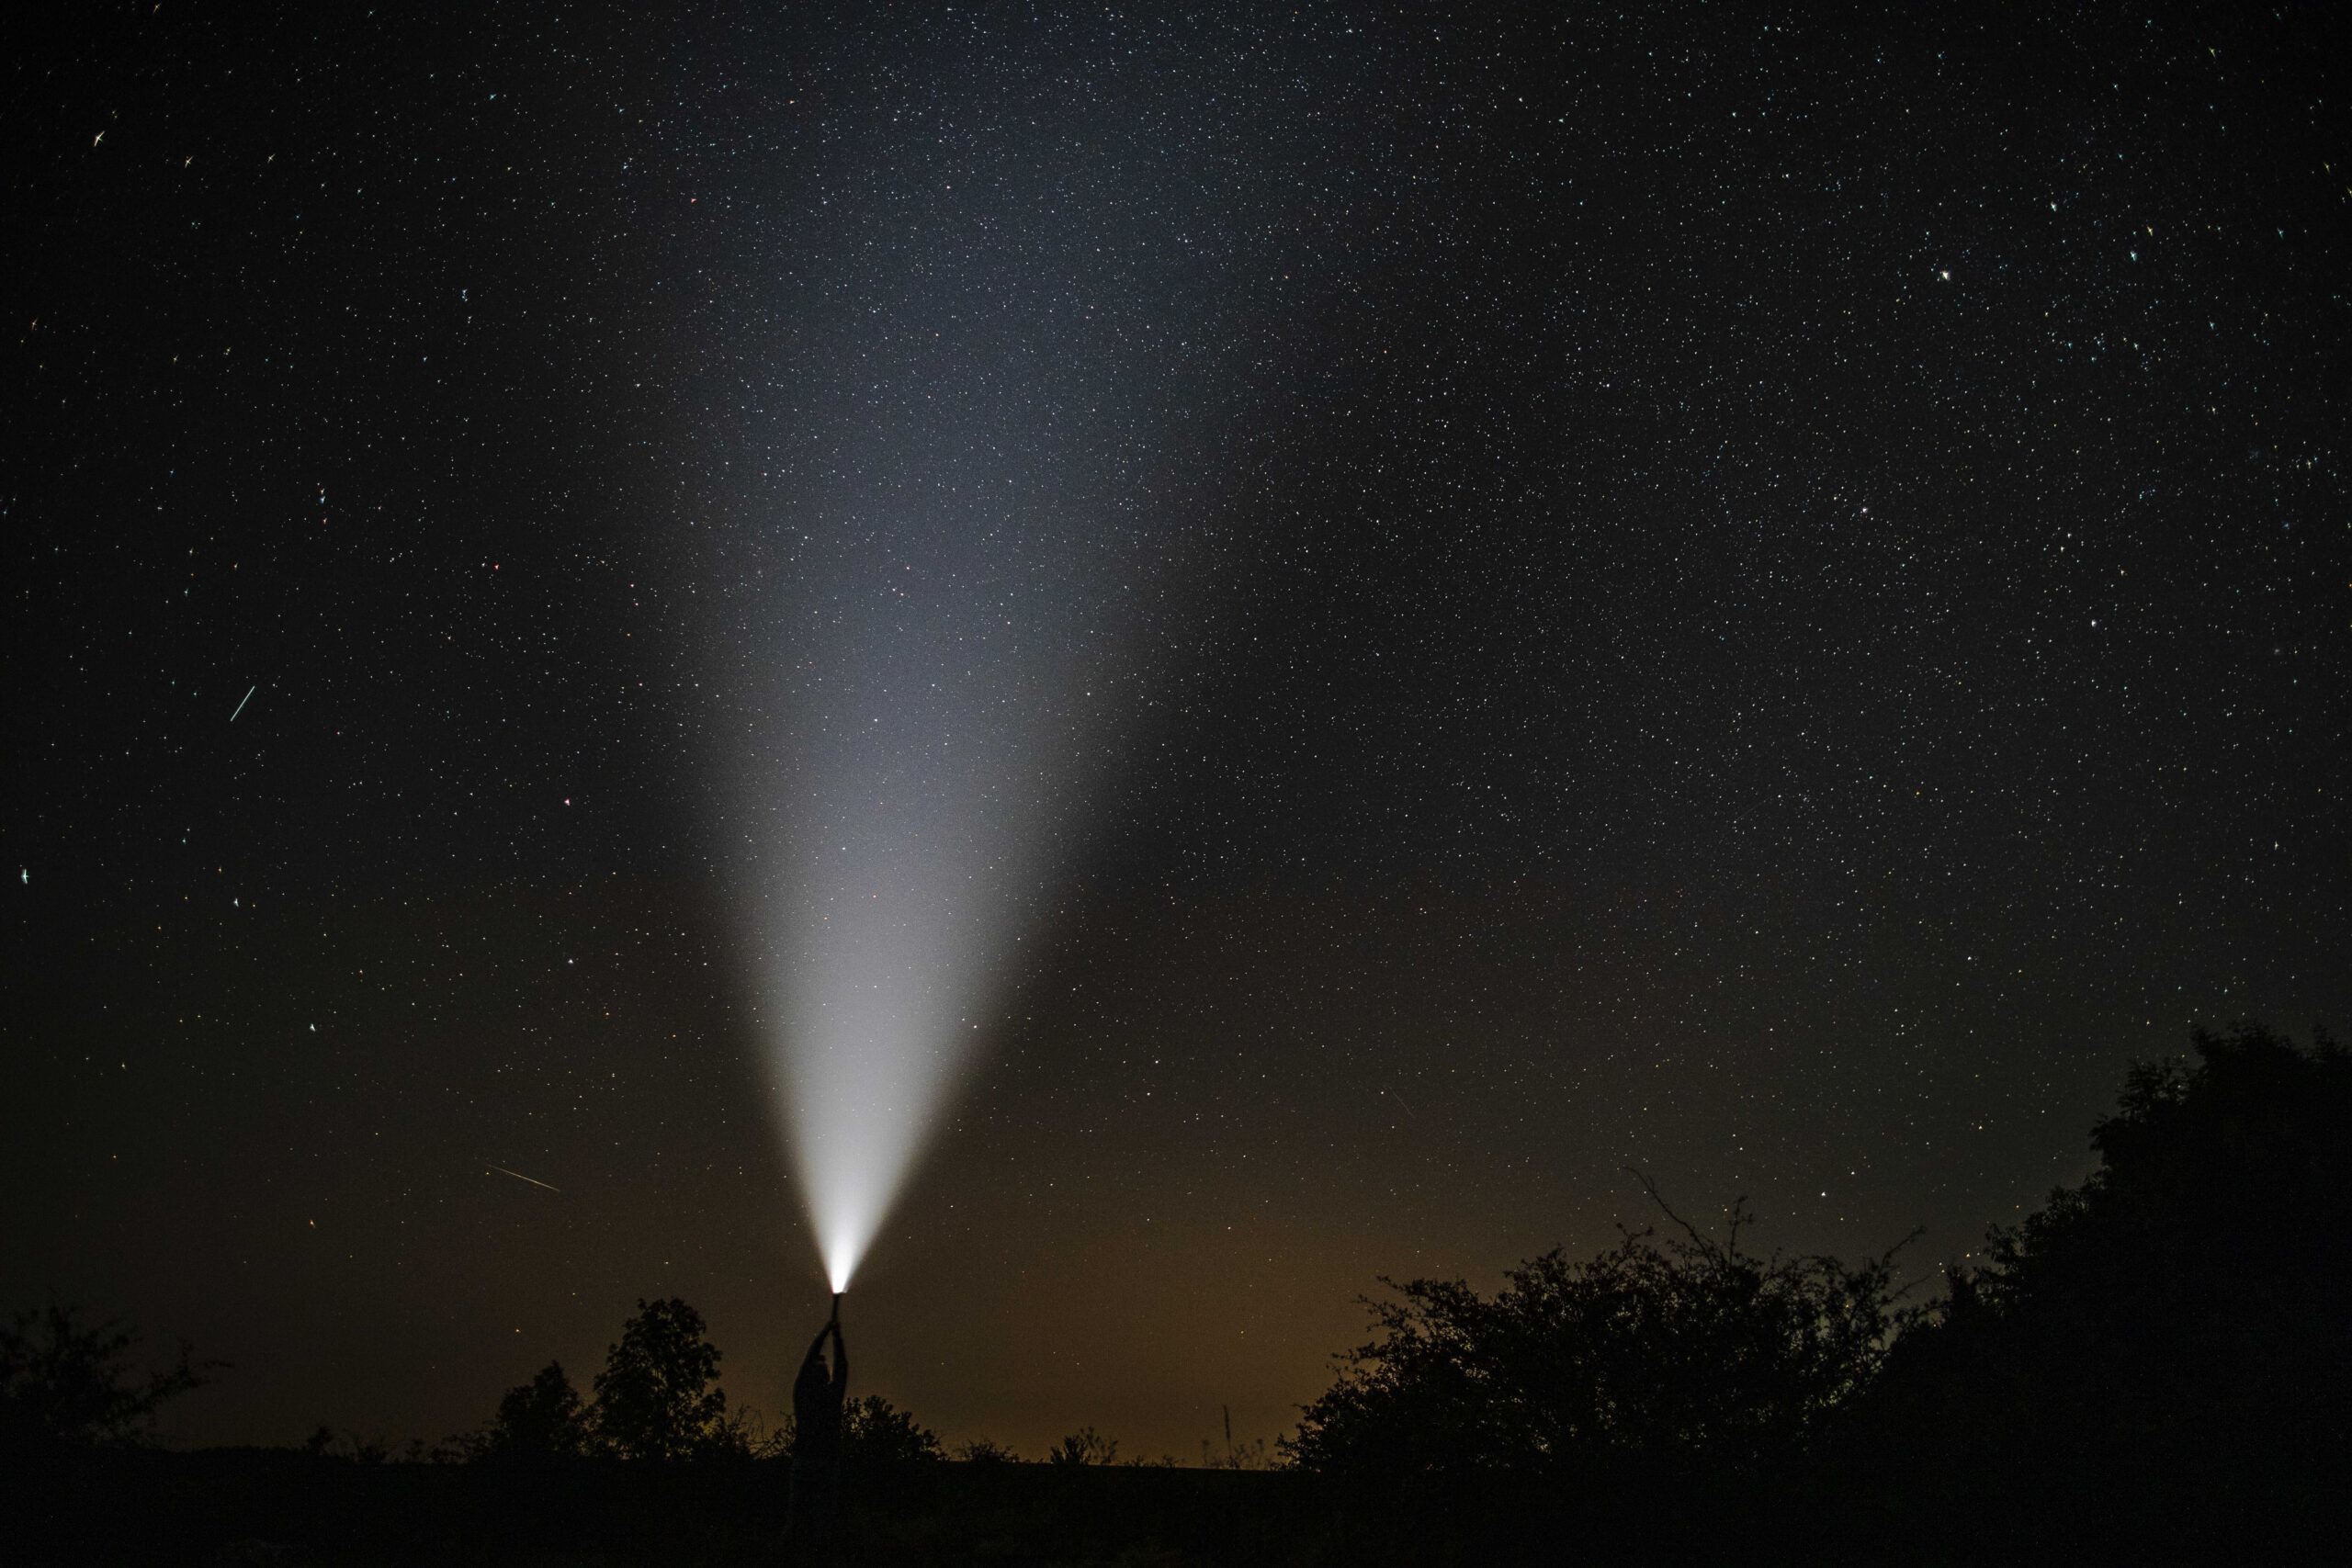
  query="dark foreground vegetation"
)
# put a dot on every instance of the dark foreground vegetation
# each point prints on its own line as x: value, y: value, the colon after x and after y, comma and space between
x: 2155, y: 1368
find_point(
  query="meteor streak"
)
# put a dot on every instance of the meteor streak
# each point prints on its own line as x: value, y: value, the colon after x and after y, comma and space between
x: 520, y: 1177
x: 243, y: 700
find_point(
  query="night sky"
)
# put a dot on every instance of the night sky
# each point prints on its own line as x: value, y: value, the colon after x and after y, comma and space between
x: 1755, y: 594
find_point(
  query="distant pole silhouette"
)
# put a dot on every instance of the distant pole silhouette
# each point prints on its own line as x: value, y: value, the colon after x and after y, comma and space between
x: 816, y: 1398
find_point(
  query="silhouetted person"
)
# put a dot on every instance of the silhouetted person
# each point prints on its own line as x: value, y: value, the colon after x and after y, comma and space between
x: 816, y: 1398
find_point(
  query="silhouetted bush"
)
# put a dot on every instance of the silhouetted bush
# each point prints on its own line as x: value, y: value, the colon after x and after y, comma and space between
x: 1248, y: 1455
x: 986, y: 1450
x: 1659, y: 1349
x: 743, y: 1433
x: 2188, y: 1306
x: 876, y: 1432
x: 65, y: 1381
x: 1084, y: 1446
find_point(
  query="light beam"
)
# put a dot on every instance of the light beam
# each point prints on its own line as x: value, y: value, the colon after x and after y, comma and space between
x: 927, y: 756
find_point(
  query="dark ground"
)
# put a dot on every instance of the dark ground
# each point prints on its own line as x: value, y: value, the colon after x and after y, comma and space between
x: 243, y: 1505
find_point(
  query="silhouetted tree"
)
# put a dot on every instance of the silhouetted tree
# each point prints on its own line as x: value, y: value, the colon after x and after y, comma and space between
x: 654, y: 1398
x: 64, y: 1380
x: 1654, y: 1348
x: 540, y: 1419
x: 2192, y: 1298
x: 876, y: 1432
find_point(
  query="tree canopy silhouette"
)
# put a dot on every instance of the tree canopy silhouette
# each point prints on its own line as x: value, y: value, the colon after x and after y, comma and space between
x: 540, y: 1419
x: 1657, y: 1347
x: 655, y: 1398
x: 2194, y: 1294
x: 64, y: 1380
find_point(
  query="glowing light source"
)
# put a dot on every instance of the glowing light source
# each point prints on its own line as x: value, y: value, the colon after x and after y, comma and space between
x: 922, y: 773
x: 963, y: 563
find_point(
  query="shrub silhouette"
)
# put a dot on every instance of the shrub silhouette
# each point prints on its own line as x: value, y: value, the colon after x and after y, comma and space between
x: 986, y: 1450
x: 654, y: 1398
x: 1084, y: 1446
x: 1657, y: 1350
x: 63, y: 1380
x: 2193, y: 1297
x: 743, y: 1433
x: 876, y: 1432
x: 1248, y: 1455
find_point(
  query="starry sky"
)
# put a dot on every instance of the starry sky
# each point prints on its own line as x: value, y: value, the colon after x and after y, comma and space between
x: 1757, y: 594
